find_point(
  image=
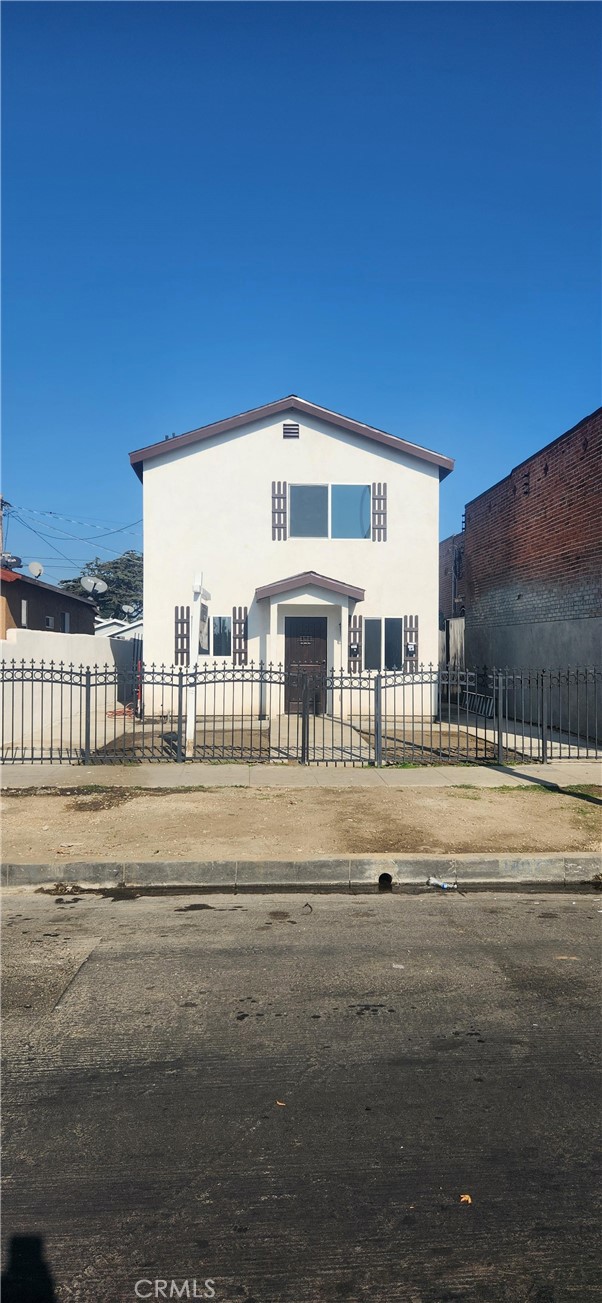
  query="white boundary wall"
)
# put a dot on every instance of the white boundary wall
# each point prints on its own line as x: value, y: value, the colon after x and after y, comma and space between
x: 37, y: 713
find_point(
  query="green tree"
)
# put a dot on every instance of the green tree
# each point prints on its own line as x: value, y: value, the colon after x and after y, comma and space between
x: 123, y: 577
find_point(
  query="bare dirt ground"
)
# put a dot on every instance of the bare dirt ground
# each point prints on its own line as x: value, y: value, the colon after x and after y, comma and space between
x: 122, y: 824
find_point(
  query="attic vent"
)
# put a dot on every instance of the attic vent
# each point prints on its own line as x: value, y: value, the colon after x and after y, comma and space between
x: 290, y: 431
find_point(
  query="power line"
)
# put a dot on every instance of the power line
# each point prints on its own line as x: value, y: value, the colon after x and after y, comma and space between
x: 73, y: 520
x: 45, y: 540
x: 64, y: 534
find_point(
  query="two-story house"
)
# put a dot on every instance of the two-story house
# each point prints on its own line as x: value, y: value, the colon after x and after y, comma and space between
x: 316, y: 537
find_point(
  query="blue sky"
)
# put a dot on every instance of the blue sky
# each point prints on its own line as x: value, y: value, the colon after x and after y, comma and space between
x: 390, y: 209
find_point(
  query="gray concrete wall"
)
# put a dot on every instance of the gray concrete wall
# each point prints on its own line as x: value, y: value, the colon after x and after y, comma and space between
x: 573, y: 701
x: 538, y: 644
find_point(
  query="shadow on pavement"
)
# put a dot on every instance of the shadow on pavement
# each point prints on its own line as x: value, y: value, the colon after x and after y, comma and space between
x: 551, y: 787
x: 27, y: 1278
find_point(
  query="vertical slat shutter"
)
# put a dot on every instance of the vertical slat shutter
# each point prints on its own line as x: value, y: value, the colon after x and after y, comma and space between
x: 182, y: 635
x: 379, y: 513
x: 355, y: 641
x: 239, y: 635
x: 279, y: 521
x: 410, y: 634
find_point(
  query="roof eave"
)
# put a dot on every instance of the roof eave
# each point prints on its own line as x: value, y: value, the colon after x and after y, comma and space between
x: 291, y: 403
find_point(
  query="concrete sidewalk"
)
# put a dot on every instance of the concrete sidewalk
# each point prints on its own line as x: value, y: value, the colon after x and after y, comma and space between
x: 559, y: 773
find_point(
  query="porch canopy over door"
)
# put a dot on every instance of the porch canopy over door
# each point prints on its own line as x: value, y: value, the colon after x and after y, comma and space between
x: 311, y: 597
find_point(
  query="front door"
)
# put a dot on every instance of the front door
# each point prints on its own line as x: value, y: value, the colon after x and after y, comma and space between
x: 305, y: 662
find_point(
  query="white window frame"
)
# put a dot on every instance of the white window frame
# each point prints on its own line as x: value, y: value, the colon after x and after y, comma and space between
x: 220, y: 655
x: 303, y: 484
x: 49, y: 623
x: 65, y: 622
x: 24, y: 612
x: 329, y: 485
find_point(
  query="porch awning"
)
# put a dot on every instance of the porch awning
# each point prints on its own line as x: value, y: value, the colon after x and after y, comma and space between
x: 310, y: 579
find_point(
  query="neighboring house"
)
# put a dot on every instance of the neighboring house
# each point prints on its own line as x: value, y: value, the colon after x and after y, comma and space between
x: 315, y: 535
x: 27, y: 603
x: 123, y: 629
x: 533, y: 558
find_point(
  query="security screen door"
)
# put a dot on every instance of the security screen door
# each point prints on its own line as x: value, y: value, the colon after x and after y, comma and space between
x: 305, y: 659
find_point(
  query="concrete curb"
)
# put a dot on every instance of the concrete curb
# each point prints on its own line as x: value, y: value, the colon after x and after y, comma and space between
x: 355, y: 874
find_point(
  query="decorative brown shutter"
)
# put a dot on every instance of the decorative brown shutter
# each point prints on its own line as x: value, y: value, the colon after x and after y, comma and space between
x: 410, y: 635
x: 240, y: 637
x: 182, y: 635
x: 355, y: 640
x: 279, y: 521
x: 379, y: 513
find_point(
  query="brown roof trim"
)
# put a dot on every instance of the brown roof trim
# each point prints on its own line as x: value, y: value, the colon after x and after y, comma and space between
x: 10, y: 576
x: 290, y: 404
x: 309, y: 578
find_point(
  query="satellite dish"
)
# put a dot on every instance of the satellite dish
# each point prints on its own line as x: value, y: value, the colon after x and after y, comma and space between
x: 35, y: 569
x: 93, y: 585
x: 128, y: 610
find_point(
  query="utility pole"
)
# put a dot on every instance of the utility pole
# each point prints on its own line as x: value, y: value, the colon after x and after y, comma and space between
x: 3, y: 506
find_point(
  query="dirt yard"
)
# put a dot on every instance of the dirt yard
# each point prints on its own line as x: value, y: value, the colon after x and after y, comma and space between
x: 124, y: 824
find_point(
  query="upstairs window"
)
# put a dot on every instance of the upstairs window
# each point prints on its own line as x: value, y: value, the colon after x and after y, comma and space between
x: 23, y: 613
x: 330, y: 511
x: 49, y: 622
x: 350, y: 511
x: 309, y: 511
x: 65, y: 622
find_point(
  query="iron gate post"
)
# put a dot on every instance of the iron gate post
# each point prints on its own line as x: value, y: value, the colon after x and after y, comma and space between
x: 500, y: 718
x: 304, y: 720
x: 378, y: 721
x: 87, y: 715
x: 544, y: 721
x: 179, y: 739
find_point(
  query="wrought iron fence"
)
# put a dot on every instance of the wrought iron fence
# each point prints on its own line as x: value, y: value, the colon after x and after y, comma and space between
x: 266, y: 713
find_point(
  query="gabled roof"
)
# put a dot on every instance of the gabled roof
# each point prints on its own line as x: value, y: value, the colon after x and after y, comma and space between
x: 290, y: 404
x: 310, y: 579
x: 11, y: 576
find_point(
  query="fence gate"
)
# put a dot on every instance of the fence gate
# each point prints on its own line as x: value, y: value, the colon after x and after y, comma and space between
x: 299, y: 714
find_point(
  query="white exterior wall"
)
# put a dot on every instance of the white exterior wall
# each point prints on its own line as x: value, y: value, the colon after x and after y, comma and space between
x: 45, y: 711
x: 208, y: 508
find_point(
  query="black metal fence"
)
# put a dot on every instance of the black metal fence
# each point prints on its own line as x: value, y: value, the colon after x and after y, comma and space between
x: 265, y: 713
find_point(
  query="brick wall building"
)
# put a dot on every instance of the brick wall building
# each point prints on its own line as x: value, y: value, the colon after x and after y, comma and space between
x: 533, y: 558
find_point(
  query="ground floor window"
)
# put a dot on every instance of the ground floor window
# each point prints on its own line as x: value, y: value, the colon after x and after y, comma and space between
x: 222, y: 635
x: 383, y: 644
x: 393, y: 644
x: 372, y: 644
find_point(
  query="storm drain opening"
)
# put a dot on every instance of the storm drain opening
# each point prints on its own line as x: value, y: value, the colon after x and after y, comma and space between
x: 385, y: 882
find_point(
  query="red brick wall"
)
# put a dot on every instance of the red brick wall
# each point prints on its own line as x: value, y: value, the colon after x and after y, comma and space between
x: 533, y: 542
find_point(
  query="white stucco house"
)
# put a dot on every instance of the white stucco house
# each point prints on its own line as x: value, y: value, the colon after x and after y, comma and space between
x: 316, y: 536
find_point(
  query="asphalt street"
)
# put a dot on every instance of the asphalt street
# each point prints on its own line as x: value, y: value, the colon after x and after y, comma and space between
x: 301, y: 1099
